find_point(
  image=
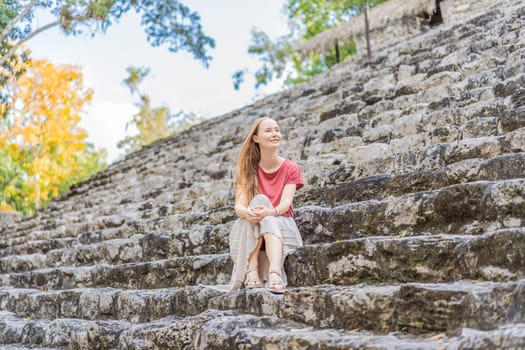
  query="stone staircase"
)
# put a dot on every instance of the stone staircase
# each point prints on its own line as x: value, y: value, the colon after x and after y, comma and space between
x: 412, y: 215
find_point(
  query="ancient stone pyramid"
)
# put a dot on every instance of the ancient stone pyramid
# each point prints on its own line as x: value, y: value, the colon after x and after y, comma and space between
x: 413, y: 217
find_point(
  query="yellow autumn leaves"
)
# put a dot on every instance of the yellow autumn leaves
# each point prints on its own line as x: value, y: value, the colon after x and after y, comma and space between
x: 42, y: 148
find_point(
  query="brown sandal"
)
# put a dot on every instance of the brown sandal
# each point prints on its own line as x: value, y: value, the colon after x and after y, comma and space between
x: 275, y: 285
x: 253, y: 282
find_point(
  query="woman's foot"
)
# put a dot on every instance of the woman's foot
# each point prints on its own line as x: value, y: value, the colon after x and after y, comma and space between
x: 251, y: 279
x: 275, y: 282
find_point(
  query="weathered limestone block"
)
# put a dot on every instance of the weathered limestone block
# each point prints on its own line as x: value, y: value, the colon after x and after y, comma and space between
x: 355, y: 191
x: 219, y: 330
x: 333, y: 134
x: 341, y: 146
x: 208, y: 269
x: 493, y: 261
x: 181, y: 334
x: 367, y: 152
x: 432, y: 258
x: 513, y: 119
x: 445, y: 134
x: 405, y: 72
x: 406, y: 125
x: 358, y: 261
x: 465, y: 170
x: 505, y: 202
x: 8, y: 219
x: 450, y: 307
x: 410, y: 142
x: 47, y: 333
x: 257, y: 302
x: 363, y: 307
x: 516, y: 140
x: 369, y: 112
x: 482, y: 147
x: 18, y: 263
x: 507, y: 166
x: 480, y: 127
x: 382, y: 133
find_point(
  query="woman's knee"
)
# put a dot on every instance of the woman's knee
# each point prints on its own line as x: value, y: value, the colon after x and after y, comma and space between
x: 261, y: 199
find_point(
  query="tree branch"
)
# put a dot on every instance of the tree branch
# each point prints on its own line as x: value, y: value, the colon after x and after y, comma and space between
x: 15, y: 20
x: 12, y: 50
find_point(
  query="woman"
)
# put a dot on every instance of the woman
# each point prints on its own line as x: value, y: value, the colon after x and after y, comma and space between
x: 265, y: 186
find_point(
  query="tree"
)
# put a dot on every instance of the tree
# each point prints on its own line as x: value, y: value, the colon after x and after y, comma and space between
x: 151, y: 123
x: 306, y: 18
x: 44, y: 148
x: 166, y: 22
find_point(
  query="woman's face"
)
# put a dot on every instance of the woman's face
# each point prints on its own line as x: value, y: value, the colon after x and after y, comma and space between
x: 268, y: 134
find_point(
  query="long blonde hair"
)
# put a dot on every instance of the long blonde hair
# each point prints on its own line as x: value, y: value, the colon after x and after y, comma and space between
x: 248, y: 163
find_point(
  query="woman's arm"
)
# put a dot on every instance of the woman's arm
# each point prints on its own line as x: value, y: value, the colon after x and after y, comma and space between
x: 286, y: 198
x: 242, y: 210
x: 283, y: 206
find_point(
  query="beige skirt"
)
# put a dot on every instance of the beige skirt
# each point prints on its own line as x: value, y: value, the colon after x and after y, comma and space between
x: 244, y: 236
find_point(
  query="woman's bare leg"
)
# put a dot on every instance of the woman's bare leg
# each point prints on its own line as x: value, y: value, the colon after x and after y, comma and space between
x: 274, y: 250
x: 252, y: 277
x: 253, y: 259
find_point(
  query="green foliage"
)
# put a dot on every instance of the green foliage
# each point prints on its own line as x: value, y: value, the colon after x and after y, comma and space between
x: 90, y: 162
x: 151, y: 123
x: 306, y: 19
x: 10, y: 172
x: 42, y: 149
x: 165, y: 22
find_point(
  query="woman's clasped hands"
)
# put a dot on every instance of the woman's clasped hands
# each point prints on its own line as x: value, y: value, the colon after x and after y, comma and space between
x: 257, y: 213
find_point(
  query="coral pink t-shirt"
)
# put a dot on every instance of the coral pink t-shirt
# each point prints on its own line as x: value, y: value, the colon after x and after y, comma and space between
x: 272, y: 184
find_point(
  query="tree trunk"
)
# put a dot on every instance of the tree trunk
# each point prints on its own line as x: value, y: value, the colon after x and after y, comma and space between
x: 367, y: 33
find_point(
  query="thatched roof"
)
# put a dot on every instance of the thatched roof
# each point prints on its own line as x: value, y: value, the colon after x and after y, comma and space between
x: 378, y: 17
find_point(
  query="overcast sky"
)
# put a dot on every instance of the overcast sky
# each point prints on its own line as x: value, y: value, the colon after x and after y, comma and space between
x: 176, y: 79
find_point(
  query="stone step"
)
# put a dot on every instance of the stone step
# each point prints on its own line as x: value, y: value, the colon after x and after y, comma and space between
x: 137, y: 248
x: 210, y: 330
x: 410, y: 308
x: 69, y: 232
x: 117, y: 227
x: 463, y: 208
x: 135, y: 306
x: 510, y: 336
x: 26, y: 347
x: 72, y: 333
x: 435, y: 258
x: 34, y: 246
x: 493, y: 256
x: 233, y: 331
x: 379, y: 158
x: 336, y: 192
x: 383, y: 139
x: 206, y: 269
x: 407, y: 308
x: 229, y: 330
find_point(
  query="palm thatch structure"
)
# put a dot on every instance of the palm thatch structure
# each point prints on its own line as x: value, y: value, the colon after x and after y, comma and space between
x: 379, y: 17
